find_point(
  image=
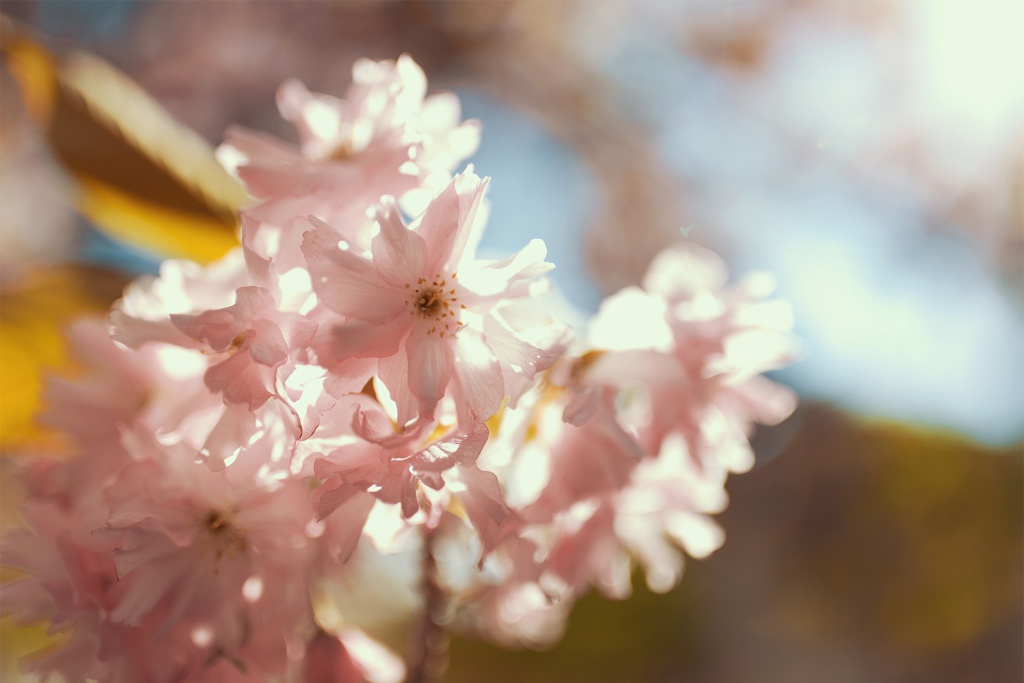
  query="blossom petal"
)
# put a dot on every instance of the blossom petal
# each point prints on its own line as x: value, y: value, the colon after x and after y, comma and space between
x: 241, y: 378
x: 370, y: 423
x: 346, y: 283
x: 510, y: 276
x: 481, y: 386
x: 267, y: 345
x: 350, y: 516
x: 457, y: 449
x: 446, y: 223
x: 512, y: 351
x: 360, y: 339
x: 430, y: 368
x: 219, y: 328
x: 316, y: 117
x: 327, y: 661
x: 134, y: 332
x: 258, y: 145
x: 393, y: 371
x: 399, y: 254
x: 493, y: 519
x: 264, y: 180
x: 235, y: 427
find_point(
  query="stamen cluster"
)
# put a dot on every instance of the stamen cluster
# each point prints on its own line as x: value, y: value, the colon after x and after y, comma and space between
x: 436, y: 300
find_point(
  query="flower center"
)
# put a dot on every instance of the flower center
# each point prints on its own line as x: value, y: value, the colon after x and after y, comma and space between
x: 435, y: 302
x: 226, y: 538
x: 342, y: 151
x: 237, y: 342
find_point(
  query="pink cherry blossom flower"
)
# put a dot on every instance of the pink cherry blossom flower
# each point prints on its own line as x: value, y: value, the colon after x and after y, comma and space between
x: 193, y: 537
x: 392, y: 467
x: 384, y: 137
x: 73, y: 584
x: 694, y: 348
x: 256, y: 340
x: 664, y: 504
x: 250, y: 338
x: 512, y: 603
x: 426, y: 309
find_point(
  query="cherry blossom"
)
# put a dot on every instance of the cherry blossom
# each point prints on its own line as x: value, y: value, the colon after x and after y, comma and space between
x: 422, y: 305
x: 352, y: 423
x: 384, y: 137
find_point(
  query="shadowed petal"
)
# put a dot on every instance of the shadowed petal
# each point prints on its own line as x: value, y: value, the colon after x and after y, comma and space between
x: 399, y: 254
x: 346, y: 283
x: 430, y: 368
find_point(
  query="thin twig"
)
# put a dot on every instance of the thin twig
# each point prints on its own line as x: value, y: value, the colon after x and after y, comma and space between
x: 429, y: 653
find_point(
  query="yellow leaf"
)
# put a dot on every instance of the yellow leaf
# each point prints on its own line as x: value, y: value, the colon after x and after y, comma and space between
x: 142, y: 177
x: 33, y: 317
x: 18, y: 641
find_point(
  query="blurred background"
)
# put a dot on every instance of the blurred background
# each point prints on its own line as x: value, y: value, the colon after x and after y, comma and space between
x: 870, y: 155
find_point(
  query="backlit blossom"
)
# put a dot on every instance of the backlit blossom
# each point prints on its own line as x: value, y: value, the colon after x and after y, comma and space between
x: 425, y: 308
x: 692, y: 348
x: 384, y: 137
x: 351, y: 419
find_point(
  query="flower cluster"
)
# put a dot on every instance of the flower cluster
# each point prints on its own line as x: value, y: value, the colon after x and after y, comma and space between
x: 268, y: 445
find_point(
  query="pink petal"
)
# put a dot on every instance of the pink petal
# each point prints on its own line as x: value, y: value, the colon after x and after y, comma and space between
x: 278, y: 180
x: 240, y: 378
x: 219, y: 328
x: 448, y: 220
x: 406, y: 488
x: 234, y: 429
x: 761, y: 400
x: 308, y: 398
x: 459, y: 448
x: 511, y: 275
x: 394, y: 373
x: 582, y: 406
x: 589, y: 554
x: 332, y: 494
x: 267, y: 345
x: 138, y: 602
x: 590, y: 461
x: 349, y: 375
x: 360, y: 339
x: 430, y: 368
x: 298, y: 330
x: 439, y: 226
x: 259, y: 146
x: 346, y: 283
x: 370, y: 423
x: 294, y: 100
x: 134, y: 332
x: 486, y: 507
x: 346, y: 526
x: 327, y: 661
x: 399, y: 254
x: 478, y: 376
x: 511, y: 350
x: 260, y: 269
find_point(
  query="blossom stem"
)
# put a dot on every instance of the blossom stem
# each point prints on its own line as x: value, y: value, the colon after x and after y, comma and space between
x: 429, y: 654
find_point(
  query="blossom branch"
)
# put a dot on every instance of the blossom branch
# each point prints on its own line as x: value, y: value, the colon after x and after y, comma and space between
x: 429, y: 654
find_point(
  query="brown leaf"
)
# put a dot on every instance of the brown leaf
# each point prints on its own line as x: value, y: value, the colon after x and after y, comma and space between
x: 142, y: 177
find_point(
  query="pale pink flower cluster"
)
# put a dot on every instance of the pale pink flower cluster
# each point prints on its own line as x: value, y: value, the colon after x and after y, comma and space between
x: 265, y: 445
